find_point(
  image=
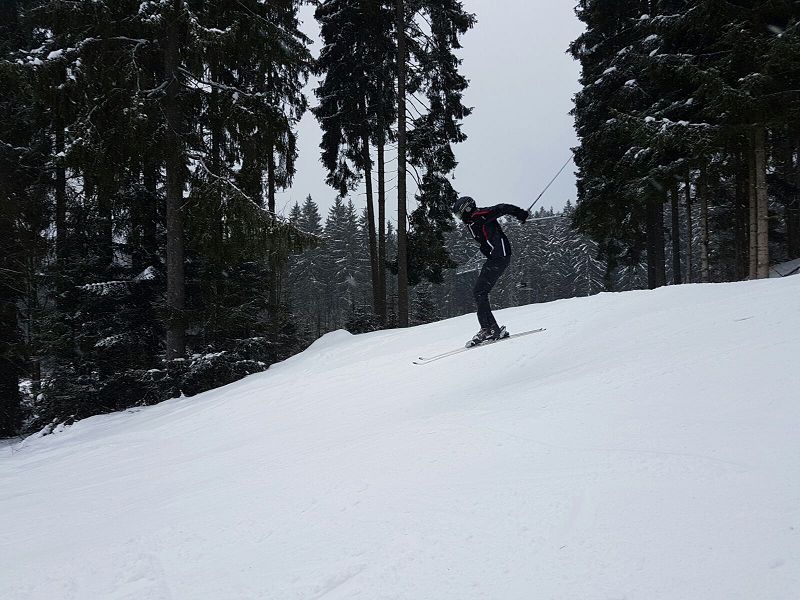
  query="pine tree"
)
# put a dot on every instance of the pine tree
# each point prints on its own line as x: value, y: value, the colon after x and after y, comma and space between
x: 339, y: 270
x: 435, y: 129
x: 587, y: 269
x: 22, y: 152
x: 425, y: 307
x: 130, y: 99
x: 692, y: 91
x: 607, y: 209
x: 306, y: 271
x: 401, y: 20
x: 347, y: 97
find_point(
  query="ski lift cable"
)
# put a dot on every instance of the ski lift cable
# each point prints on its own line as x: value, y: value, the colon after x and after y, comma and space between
x: 551, y: 183
x: 547, y: 218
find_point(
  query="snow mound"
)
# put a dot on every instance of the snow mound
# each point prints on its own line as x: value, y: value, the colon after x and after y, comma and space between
x: 645, y: 446
x: 330, y: 341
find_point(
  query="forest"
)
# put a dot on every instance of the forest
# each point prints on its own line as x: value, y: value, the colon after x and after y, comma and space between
x: 142, y: 145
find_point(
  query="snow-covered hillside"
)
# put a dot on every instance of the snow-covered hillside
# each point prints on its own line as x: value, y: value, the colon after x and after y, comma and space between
x: 646, y: 446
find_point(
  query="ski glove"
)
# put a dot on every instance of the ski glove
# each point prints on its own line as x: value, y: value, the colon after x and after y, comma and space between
x: 523, y: 215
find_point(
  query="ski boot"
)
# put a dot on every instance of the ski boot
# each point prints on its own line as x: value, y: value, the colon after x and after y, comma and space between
x: 487, y: 334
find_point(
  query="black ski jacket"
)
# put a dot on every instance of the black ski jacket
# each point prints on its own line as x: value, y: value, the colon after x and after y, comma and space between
x: 482, y: 224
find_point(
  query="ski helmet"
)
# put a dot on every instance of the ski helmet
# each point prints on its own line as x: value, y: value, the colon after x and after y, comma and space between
x: 463, y: 207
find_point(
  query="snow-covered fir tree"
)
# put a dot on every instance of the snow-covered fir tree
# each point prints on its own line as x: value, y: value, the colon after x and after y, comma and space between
x: 156, y: 269
x: 686, y: 104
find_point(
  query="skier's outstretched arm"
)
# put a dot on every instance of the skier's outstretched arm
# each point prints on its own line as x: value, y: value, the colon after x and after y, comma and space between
x: 501, y: 210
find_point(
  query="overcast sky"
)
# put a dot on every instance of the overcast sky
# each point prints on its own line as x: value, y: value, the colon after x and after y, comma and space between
x: 520, y: 133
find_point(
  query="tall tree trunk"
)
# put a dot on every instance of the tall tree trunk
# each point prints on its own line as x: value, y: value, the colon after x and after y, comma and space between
x: 174, y: 167
x: 270, y: 150
x: 661, y: 258
x: 656, y: 275
x: 611, y: 265
x: 752, y: 230
x: 60, y: 194
x: 793, y: 216
x: 702, y: 192
x: 676, y: 238
x: 381, y: 209
x: 104, y: 207
x: 61, y: 282
x: 787, y: 171
x: 651, y: 244
x: 151, y: 173
x: 689, y: 233
x: 373, y: 242
x: 10, y: 367
x: 402, y: 240
x: 762, y: 202
x: 149, y: 235
x: 60, y: 191
x: 216, y: 232
x: 10, y: 405
x: 274, y: 269
x: 31, y: 323
x: 741, y: 214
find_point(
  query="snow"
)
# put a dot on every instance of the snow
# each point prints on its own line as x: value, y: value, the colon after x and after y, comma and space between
x: 645, y: 447
x: 149, y: 274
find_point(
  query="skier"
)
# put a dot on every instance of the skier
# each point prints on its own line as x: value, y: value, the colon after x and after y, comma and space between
x: 494, y: 245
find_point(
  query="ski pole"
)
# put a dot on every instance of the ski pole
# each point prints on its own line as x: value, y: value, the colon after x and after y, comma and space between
x: 551, y: 183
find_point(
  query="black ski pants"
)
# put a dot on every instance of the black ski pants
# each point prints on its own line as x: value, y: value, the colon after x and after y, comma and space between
x: 492, y: 270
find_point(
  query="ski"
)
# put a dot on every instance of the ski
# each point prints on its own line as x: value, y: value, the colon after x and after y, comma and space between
x: 424, y: 360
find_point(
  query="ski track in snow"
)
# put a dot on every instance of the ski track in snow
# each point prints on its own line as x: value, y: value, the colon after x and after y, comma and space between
x: 644, y: 447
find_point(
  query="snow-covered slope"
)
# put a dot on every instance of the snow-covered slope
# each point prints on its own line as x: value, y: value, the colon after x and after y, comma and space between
x: 646, y: 446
